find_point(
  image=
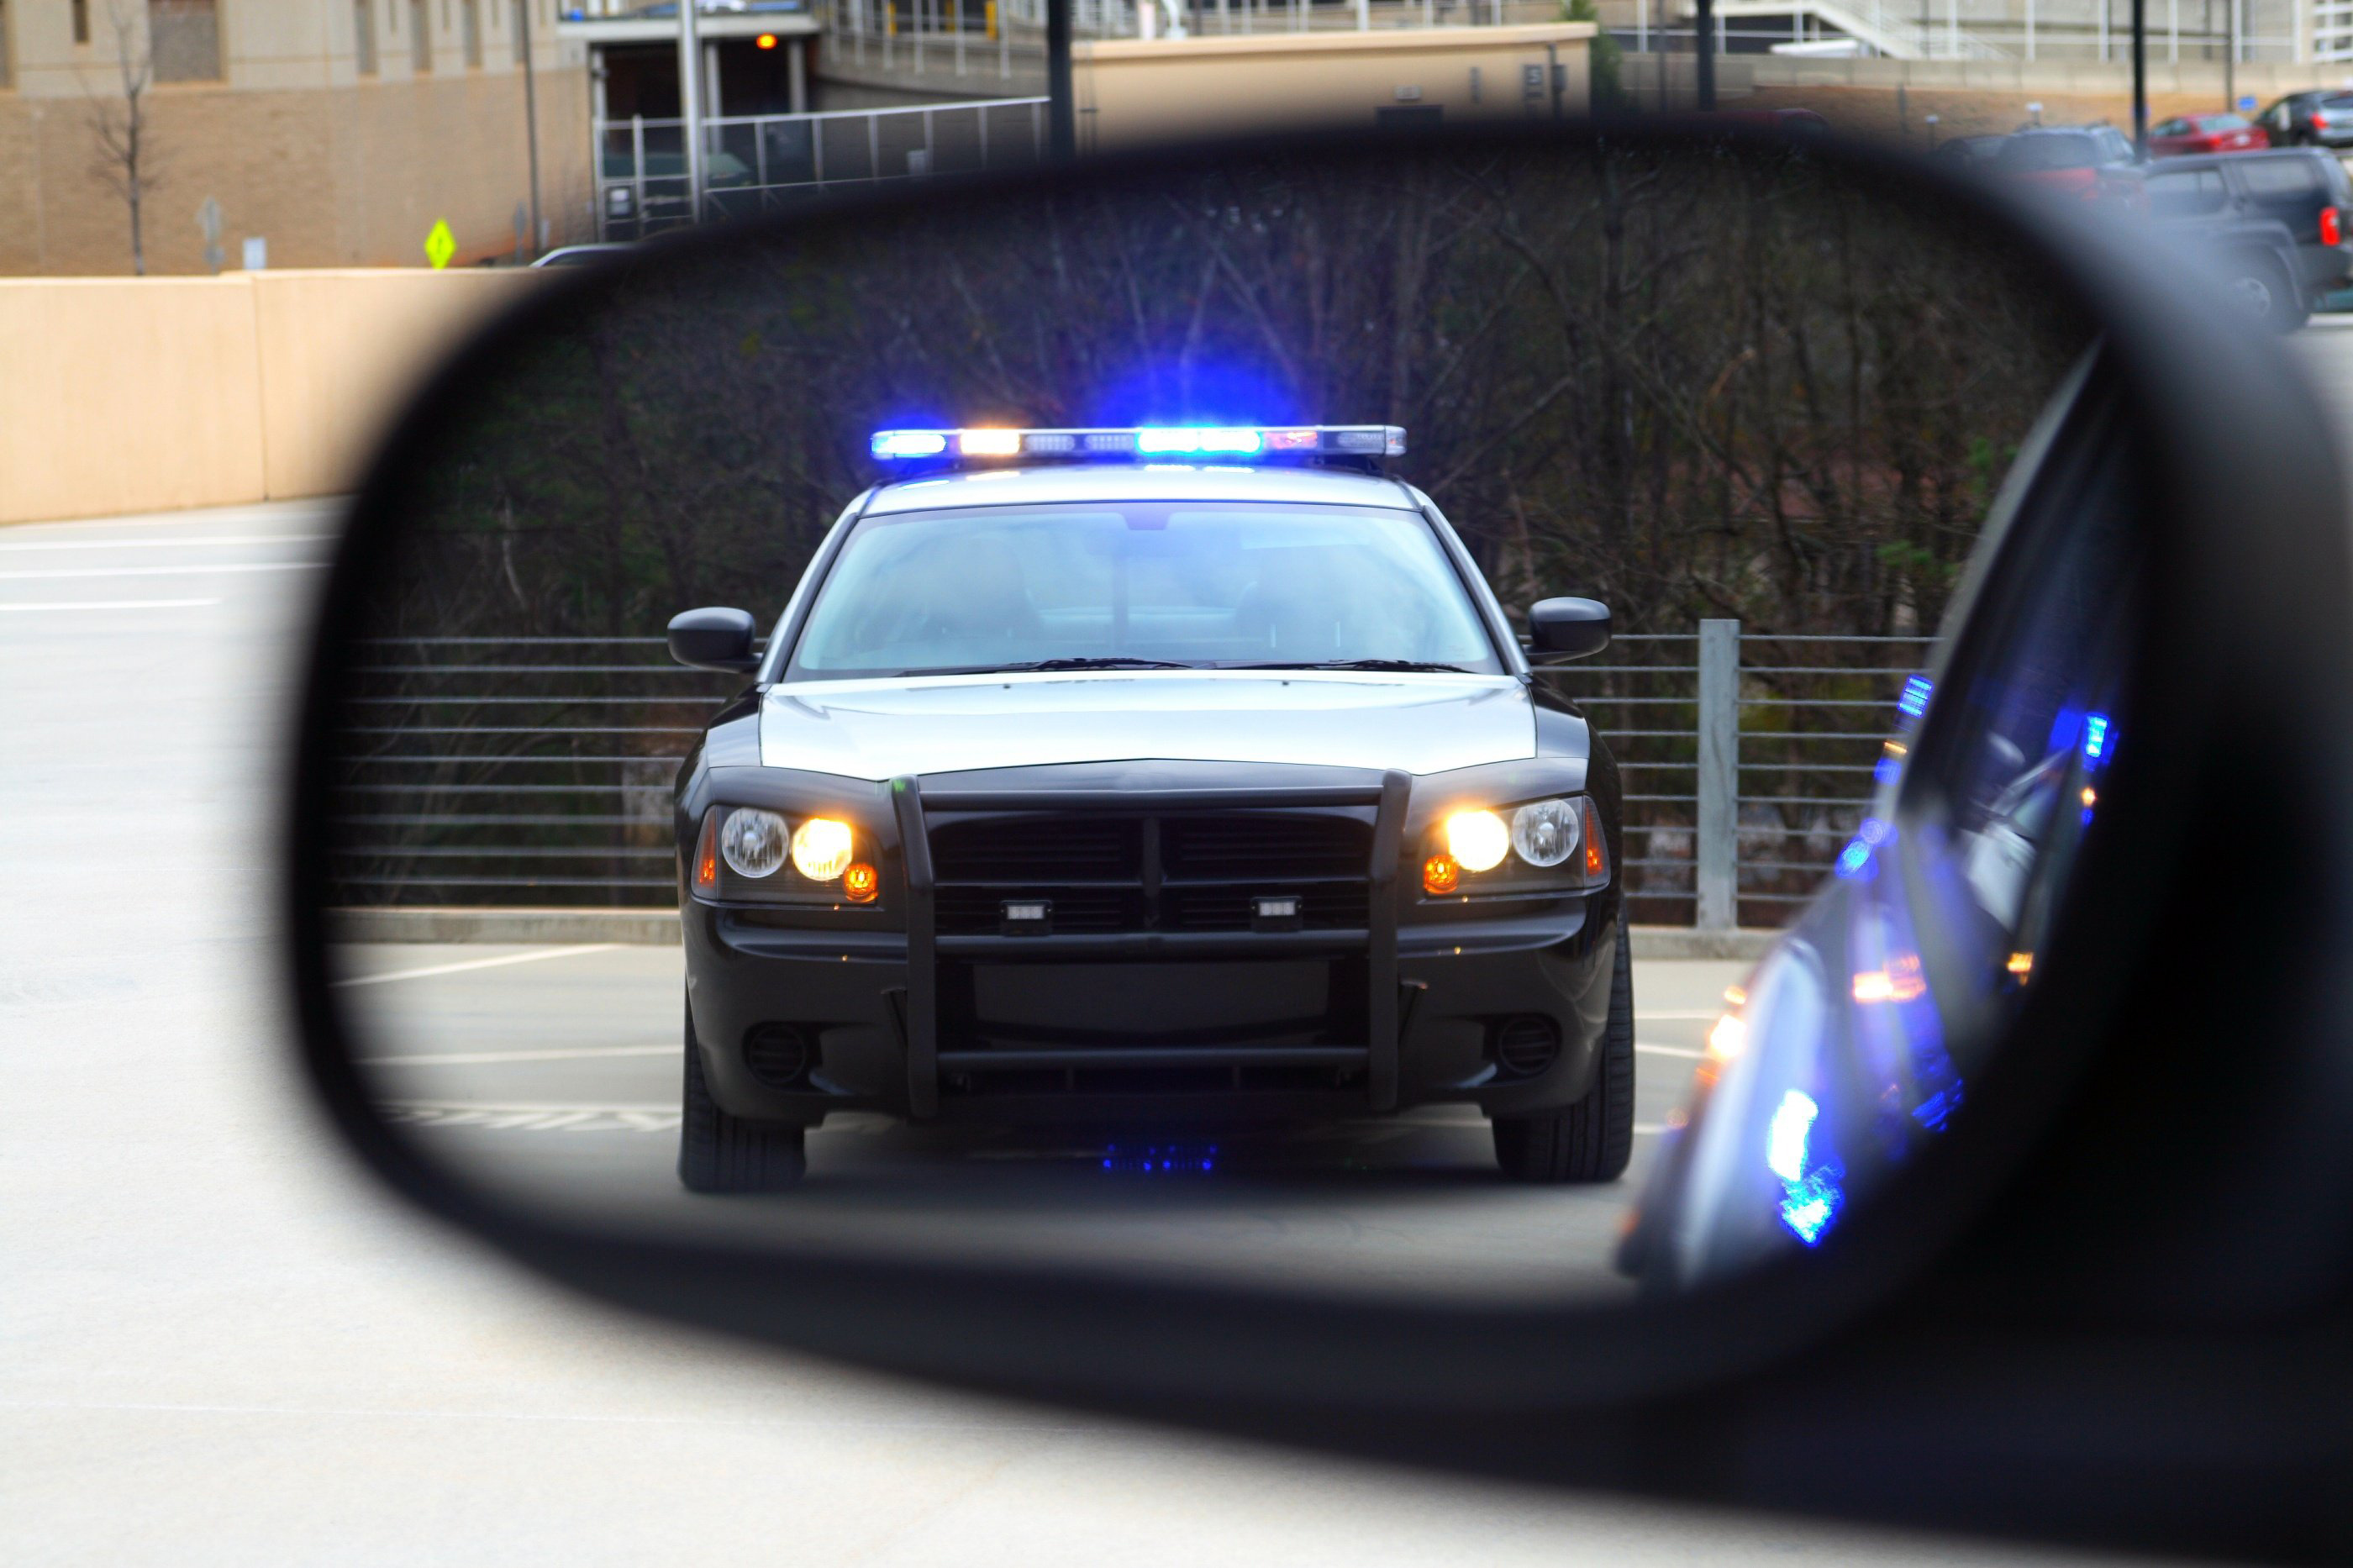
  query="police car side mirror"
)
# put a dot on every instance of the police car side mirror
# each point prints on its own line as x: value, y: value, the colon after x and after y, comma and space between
x: 1569, y: 628
x: 715, y: 640
x: 1153, y: 956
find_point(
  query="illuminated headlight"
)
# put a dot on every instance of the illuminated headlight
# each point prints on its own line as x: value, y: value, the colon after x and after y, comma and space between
x: 1477, y: 839
x: 1545, y: 834
x: 753, y: 841
x: 820, y: 848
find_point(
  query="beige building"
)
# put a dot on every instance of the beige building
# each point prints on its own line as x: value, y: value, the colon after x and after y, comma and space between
x: 339, y: 131
x: 1130, y: 91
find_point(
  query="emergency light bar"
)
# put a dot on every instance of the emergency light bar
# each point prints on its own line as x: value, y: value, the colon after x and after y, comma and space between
x: 1226, y: 441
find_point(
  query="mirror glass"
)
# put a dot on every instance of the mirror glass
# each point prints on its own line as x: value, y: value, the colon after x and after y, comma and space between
x: 1142, y: 839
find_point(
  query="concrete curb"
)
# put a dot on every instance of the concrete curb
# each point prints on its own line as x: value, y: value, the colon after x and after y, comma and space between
x: 659, y: 928
x: 640, y: 928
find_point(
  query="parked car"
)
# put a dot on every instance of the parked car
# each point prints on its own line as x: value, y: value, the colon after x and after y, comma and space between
x: 2321, y: 117
x: 2305, y: 192
x: 2191, y: 133
x: 2064, y: 160
x: 1967, y: 154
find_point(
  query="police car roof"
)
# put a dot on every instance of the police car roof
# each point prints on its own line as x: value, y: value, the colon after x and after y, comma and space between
x: 1066, y: 483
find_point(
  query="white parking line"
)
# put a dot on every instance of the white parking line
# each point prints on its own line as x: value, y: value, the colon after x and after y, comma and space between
x: 479, y: 963
x: 172, y: 543
x: 164, y: 571
x: 472, y: 1059
x: 536, y: 1118
x: 118, y: 604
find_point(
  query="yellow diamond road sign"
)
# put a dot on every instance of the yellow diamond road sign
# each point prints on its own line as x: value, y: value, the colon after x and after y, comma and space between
x: 440, y: 245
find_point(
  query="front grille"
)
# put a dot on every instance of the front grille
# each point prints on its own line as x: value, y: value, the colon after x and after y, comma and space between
x: 1077, y: 910
x: 1338, y: 906
x: 1250, y: 847
x: 1038, y: 849
x: 1109, y: 872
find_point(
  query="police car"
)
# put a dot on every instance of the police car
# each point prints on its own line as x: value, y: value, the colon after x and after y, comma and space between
x: 1144, y: 777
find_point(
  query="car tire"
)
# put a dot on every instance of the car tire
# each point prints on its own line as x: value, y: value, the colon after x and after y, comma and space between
x: 2260, y: 291
x: 722, y: 1153
x: 1591, y: 1139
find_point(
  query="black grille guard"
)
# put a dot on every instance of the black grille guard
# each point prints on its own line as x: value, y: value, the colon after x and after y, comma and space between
x: 1391, y: 798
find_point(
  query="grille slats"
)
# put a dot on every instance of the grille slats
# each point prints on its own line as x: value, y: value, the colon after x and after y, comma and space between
x: 1252, y: 847
x: 1098, y: 871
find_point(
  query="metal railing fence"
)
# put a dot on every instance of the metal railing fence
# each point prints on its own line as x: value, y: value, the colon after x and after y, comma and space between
x: 900, y: 33
x: 1749, y: 33
x: 754, y: 162
x: 535, y: 770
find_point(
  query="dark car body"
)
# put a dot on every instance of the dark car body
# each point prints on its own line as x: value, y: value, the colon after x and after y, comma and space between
x: 1968, y: 153
x: 2321, y: 117
x: 2303, y: 190
x: 1144, y: 813
x: 1853, y: 1044
x: 2063, y: 160
x: 2192, y: 133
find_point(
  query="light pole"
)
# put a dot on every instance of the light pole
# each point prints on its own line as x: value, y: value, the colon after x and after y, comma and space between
x: 1061, y: 116
x: 690, y: 104
x: 2140, y: 78
x: 1704, y: 75
x: 531, y: 118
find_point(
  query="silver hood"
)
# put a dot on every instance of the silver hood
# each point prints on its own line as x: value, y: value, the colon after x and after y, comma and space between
x: 944, y: 725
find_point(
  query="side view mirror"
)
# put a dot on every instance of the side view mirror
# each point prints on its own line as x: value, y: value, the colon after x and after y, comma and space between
x: 717, y: 639
x: 1569, y: 628
x: 1153, y: 956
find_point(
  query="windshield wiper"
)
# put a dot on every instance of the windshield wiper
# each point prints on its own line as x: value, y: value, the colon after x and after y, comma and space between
x: 1038, y: 663
x: 1393, y: 664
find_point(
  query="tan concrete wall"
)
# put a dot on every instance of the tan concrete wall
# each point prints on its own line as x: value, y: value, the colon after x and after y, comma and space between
x: 140, y: 395
x: 123, y: 396
x: 1130, y: 91
x: 339, y: 351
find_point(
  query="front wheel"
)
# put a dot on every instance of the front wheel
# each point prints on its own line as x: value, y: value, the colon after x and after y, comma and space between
x: 2260, y: 289
x: 722, y: 1153
x: 1591, y: 1139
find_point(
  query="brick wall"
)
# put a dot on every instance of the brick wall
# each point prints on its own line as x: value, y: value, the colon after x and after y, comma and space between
x: 340, y: 176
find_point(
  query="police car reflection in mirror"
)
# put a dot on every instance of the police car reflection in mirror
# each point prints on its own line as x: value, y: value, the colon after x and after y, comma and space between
x: 1145, y: 774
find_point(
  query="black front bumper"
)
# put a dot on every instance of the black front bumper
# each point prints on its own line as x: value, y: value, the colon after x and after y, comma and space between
x: 1154, y: 1025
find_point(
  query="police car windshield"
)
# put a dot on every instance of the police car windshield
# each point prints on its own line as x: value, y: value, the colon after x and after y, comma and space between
x: 1137, y: 584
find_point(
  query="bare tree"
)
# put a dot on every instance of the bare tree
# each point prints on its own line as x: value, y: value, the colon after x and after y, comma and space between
x: 126, y: 155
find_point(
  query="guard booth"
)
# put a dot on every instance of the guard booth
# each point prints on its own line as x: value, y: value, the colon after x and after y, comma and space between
x: 756, y: 56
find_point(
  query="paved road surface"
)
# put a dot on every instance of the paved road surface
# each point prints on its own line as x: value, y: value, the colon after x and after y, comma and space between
x: 554, y: 1072
x: 217, y: 1343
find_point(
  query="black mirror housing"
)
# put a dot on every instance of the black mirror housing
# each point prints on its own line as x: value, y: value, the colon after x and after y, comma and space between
x: 717, y: 639
x: 1569, y: 628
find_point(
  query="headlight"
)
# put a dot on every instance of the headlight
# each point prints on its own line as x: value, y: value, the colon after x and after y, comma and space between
x: 1541, y: 849
x: 821, y: 847
x: 1545, y: 834
x: 753, y: 842
x: 1477, y: 839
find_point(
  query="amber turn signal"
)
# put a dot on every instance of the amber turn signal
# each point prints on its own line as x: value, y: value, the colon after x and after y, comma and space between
x: 1441, y: 875
x: 706, y: 855
x: 859, y: 883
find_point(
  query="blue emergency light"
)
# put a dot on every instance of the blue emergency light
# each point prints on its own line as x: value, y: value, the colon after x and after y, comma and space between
x: 1135, y: 442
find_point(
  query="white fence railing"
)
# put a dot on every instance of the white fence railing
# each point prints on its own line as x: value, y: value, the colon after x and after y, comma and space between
x: 754, y: 162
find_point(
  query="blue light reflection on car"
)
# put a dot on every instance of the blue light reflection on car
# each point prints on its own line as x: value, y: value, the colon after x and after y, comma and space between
x: 1811, y: 1195
x: 1915, y: 700
x: 1854, y: 861
x: 1155, y: 1158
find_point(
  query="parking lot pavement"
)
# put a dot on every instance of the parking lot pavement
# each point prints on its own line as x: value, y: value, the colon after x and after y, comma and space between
x: 219, y: 1344
x: 553, y: 1072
